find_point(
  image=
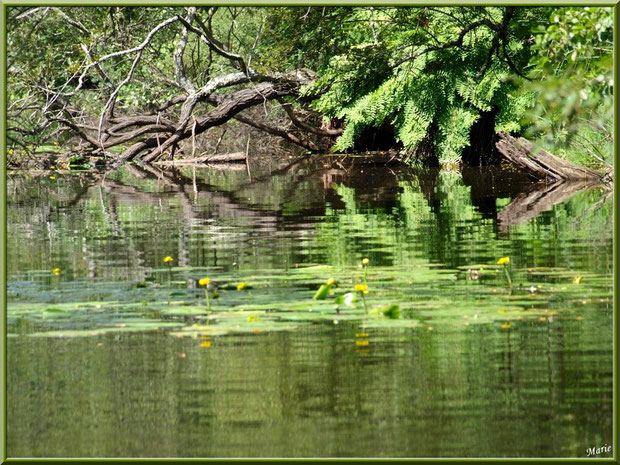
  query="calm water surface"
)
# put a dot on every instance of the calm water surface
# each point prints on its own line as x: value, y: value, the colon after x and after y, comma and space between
x: 483, y: 372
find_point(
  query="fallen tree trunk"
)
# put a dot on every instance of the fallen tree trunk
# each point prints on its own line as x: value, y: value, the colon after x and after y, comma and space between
x: 541, y: 165
x: 237, y: 157
x: 373, y: 157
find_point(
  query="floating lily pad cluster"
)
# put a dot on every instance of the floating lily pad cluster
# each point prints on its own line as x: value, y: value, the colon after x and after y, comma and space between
x: 421, y: 296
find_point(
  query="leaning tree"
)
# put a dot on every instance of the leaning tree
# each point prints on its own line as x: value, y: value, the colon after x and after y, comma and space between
x: 144, y: 79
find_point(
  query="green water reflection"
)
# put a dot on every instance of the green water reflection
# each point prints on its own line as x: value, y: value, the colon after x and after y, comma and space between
x: 482, y: 371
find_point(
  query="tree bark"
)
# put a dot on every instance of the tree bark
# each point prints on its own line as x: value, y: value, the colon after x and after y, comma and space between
x: 226, y: 107
x: 541, y: 165
x: 236, y: 157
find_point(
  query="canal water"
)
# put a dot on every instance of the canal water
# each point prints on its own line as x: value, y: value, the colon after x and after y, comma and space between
x: 113, y: 353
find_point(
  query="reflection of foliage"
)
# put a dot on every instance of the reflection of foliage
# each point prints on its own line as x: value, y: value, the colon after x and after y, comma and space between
x: 439, y: 224
x: 456, y: 233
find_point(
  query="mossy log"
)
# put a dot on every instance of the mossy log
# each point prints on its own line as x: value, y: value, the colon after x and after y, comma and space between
x: 541, y: 165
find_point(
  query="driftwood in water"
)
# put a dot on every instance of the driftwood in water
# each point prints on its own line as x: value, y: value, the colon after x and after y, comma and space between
x: 374, y: 157
x: 236, y: 157
x: 541, y: 165
x: 539, y: 198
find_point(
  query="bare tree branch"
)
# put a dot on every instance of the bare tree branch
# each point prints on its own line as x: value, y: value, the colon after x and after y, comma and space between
x: 307, y: 127
x: 226, y: 107
x: 33, y: 11
x: 500, y: 35
x: 215, y: 45
x: 181, y: 77
x: 279, y: 132
x: 109, y: 106
x: 72, y: 21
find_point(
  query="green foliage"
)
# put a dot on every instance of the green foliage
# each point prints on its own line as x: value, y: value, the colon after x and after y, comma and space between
x: 414, y: 126
x: 396, y: 65
x: 373, y: 109
x: 454, y: 125
x: 574, y: 85
x: 414, y: 69
x: 512, y: 109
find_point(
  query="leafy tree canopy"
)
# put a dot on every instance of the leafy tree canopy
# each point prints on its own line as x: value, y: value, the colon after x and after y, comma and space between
x: 434, y: 71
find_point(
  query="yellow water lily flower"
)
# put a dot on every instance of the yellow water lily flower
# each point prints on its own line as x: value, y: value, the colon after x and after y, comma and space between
x: 56, y: 271
x: 168, y: 259
x: 577, y: 279
x: 362, y: 288
x: 204, y: 281
x: 10, y: 152
x: 242, y: 285
x: 205, y: 344
x: 330, y: 281
x: 52, y: 177
x: 503, y: 261
x: 365, y: 261
x: 505, y: 326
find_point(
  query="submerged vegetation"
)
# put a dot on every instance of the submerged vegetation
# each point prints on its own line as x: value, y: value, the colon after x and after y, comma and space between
x: 436, y: 83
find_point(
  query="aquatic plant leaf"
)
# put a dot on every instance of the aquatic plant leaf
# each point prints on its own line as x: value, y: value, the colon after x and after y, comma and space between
x: 283, y: 299
x: 346, y: 299
x: 322, y: 292
x: 129, y: 327
x: 480, y: 267
x: 389, y: 311
x: 185, y: 310
x: 390, y: 323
